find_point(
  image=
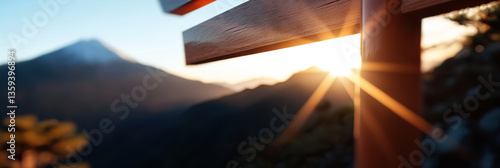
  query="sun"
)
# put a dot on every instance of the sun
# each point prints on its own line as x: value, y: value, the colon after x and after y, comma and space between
x: 337, y: 56
x: 339, y: 66
x: 339, y: 61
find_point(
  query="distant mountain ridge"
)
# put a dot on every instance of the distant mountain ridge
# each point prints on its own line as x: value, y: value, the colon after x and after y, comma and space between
x: 249, y: 84
x: 80, y: 82
x: 90, y: 76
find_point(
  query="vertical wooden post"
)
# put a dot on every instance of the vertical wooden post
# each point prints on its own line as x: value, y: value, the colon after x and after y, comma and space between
x: 389, y: 37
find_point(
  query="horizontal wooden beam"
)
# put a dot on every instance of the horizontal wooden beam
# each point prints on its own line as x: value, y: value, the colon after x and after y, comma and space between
x: 264, y: 25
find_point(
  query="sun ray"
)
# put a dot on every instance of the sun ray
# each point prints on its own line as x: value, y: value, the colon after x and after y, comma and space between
x: 350, y: 89
x: 303, y: 114
x: 390, y: 67
x: 357, y: 105
x: 399, y: 109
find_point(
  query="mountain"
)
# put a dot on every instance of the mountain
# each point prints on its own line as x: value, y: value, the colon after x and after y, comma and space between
x: 87, y: 81
x: 210, y: 132
x: 249, y: 84
x: 83, y: 79
x: 83, y: 52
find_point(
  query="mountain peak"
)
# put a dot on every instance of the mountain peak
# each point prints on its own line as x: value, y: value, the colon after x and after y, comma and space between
x: 86, y: 43
x: 313, y: 69
x: 90, y: 51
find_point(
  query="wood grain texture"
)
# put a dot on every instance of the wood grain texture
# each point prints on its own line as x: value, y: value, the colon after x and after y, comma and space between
x: 263, y: 25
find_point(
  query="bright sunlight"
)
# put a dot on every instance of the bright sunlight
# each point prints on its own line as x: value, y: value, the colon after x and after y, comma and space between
x: 336, y: 56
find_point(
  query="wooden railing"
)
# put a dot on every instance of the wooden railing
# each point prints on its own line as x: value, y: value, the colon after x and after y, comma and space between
x: 391, y: 31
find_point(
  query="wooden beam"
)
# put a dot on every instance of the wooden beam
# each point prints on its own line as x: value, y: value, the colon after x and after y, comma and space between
x: 263, y: 25
x: 182, y: 7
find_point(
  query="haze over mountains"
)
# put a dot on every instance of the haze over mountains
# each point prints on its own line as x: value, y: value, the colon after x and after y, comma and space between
x: 87, y: 81
x: 249, y: 84
x: 82, y: 80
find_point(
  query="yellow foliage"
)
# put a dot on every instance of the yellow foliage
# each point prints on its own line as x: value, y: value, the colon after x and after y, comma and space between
x: 50, y: 140
x: 33, y: 138
x: 4, y: 162
x: 4, y: 136
x: 25, y: 122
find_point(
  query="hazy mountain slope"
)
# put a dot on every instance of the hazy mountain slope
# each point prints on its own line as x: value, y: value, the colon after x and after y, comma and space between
x: 249, y: 84
x: 82, y: 80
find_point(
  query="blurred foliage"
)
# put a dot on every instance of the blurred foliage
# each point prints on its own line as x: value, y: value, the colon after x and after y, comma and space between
x: 484, y: 18
x: 41, y: 143
x: 473, y: 135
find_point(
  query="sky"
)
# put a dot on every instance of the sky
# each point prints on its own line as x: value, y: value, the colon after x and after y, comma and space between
x: 441, y: 39
x: 140, y: 30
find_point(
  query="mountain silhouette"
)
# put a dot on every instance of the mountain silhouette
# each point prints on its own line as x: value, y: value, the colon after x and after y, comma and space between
x: 83, y: 79
x: 87, y: 81
x: 249, y: 84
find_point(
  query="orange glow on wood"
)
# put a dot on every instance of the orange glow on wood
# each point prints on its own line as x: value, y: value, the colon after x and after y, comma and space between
x: 191, y: 6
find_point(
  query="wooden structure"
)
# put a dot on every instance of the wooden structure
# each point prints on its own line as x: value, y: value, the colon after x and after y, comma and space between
x: 182, y: 7
x: 391, y: 32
